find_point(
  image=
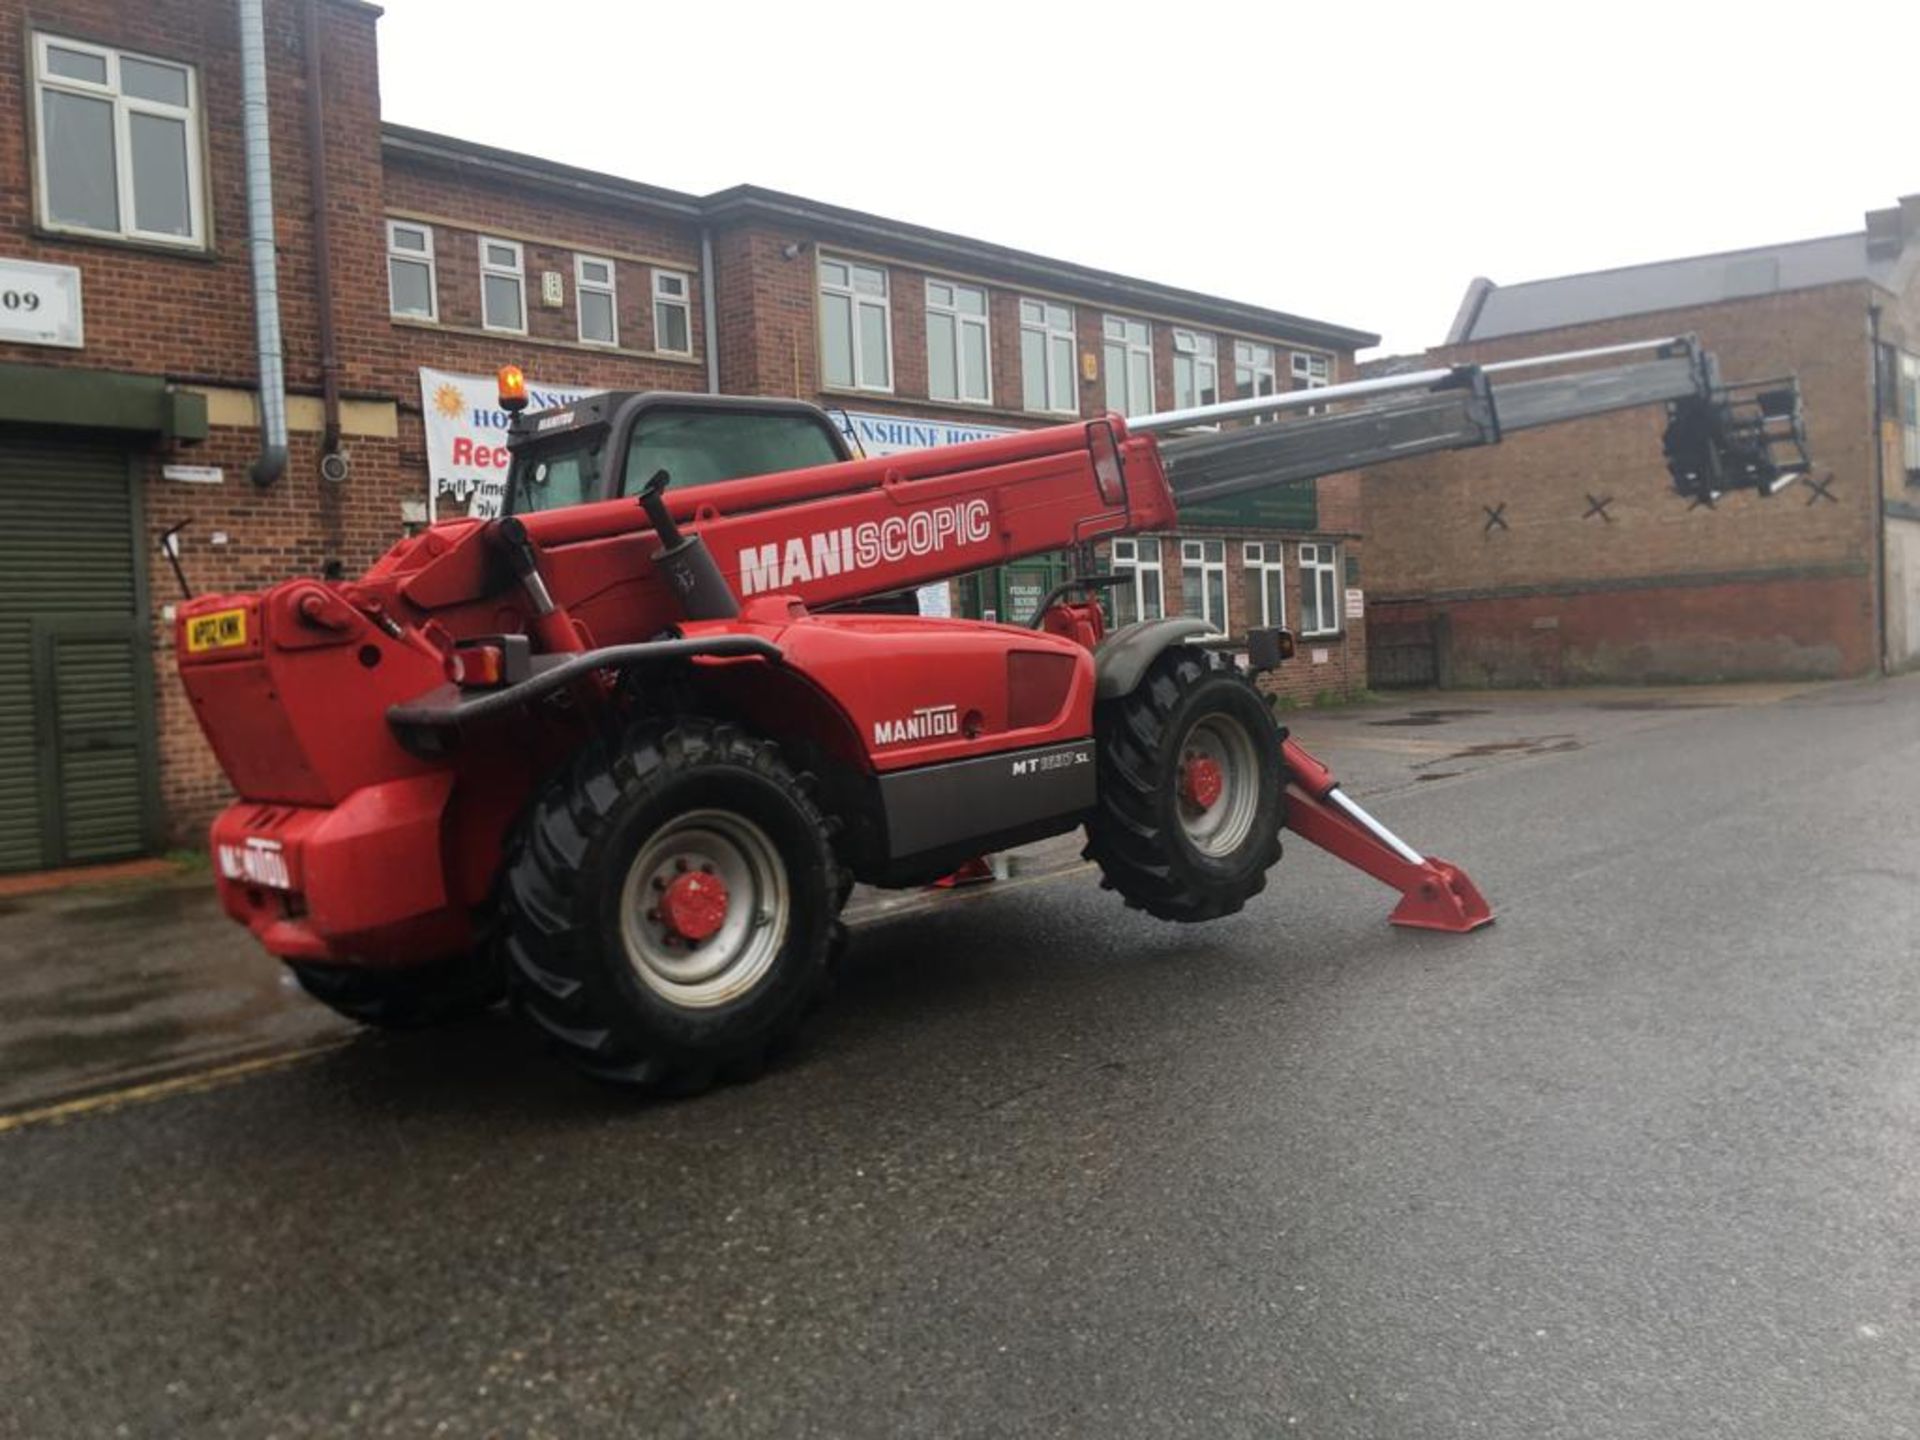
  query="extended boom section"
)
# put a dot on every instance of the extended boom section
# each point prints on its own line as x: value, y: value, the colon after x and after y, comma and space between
x: 1718, y: 437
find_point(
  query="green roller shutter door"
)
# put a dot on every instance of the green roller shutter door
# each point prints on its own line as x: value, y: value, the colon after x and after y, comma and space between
x: 76, y: 733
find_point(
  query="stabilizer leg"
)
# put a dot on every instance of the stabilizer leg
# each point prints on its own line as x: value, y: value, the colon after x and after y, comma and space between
x: 1433, y: 894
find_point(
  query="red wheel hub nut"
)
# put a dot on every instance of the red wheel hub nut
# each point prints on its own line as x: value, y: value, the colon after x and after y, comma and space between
x: 694, y: 906
x: 1201, y: 782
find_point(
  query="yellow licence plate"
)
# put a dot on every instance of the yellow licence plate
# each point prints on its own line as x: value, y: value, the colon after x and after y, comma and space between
x: 217, y: 630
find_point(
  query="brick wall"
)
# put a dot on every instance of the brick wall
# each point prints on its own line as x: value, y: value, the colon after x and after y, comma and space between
x: 1434, y: 550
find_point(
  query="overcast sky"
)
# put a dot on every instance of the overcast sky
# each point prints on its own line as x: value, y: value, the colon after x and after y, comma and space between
x: 1353, y: 163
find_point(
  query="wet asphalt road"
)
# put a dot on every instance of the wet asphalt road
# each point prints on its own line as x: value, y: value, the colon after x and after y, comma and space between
x: 1640, y: 1161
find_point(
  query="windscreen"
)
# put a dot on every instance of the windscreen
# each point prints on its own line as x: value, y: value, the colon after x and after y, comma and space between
x: 698, y: 447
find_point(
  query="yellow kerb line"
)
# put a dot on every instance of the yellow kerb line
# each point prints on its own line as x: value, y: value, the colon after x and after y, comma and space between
x: 162, y: 1089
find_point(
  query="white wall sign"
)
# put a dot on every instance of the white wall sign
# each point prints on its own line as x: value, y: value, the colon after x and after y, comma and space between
x: 194, y: 474
x: 467, y: 439
x: 1356, y: 604
x: 40, y: 304
x: 877, y: 435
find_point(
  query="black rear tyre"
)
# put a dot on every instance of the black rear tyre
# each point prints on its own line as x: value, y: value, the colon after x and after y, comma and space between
x: 415, y: 997
x: 1194, y: 730
x: 609, y: 850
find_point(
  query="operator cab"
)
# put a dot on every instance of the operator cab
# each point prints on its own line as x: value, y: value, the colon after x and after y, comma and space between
x: 609, y: 445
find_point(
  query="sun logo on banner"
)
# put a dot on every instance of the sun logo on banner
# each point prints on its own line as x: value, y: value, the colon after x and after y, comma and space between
x: 449, y: 401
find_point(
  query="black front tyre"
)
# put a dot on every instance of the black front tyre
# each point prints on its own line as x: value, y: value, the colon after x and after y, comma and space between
x: 412, y: 997
x: 670, y: 906
x: 1191, y: 789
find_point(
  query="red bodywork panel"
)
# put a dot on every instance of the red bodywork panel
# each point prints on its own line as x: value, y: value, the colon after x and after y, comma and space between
x: 348, y: 848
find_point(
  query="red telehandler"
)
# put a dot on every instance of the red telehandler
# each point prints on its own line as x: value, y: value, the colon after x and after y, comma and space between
x: 624, y: 750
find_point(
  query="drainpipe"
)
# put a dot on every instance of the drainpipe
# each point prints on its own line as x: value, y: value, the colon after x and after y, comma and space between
x: 333, y: 464
x: 266, y: 285
x: 1879, y: 488
x: 707, y: 309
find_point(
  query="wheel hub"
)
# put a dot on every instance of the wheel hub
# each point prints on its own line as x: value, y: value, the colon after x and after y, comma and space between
x: 705, y: 908
x: 1201, y: 782
x: 694, y: 906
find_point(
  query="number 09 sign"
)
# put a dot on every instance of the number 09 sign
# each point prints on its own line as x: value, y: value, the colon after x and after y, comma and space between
x: 40, y: 304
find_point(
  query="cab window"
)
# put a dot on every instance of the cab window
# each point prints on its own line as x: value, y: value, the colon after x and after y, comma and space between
x: 698, y: 447
x: 551, y: 479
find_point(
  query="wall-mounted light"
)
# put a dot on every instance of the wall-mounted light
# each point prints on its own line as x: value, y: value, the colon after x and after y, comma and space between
x: 790, y: 250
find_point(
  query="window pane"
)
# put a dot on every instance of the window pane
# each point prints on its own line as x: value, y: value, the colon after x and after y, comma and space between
x: 595, y: 272
x: 596, y: 316
x: 501, y: 302
x: 1276, y: 596
x: 1116, y: 367
x: 160, y: 199
x: 973, y: 302
x: 868, y: 281
x: 1058, y: 318
x: 973, y: 347
x: 1209, y: 383
x: 942, y: 382
x: 1150, y: 548
x: 1139, y: 382
x: 79, y: 156
x: 832, y: 272
x: 148, y: 81
x: 405, y: 237
x: 1217, y: 598
x: 77, y: 65
x: 1182, y: 381
x: 700, y: 447
x: 939, y: 294
x: 1031, y: 312
x: 673, y: 285
x: 1062, y: 351
x: 1033, y: 369
x: 874, y: 366
x: 670, y: 328
x: 1191, y: 592
x: 1152, y: 606
x: 503, y: 255
x: 412, y: 290
x: 836, y: 338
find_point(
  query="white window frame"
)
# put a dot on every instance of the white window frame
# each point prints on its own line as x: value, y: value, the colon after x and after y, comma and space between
x: 963, y: 320
x: 1197, y: 353
x: 1127, y: 555
x: 1266, y: 568
x: 1248, y: 360
x: 517, y: 271
x: 609, y: 287
x: 1311, y: 370
x: 665, y: 299
x: 1128, y: 348
x: 422, y: 256
x: 1050, y: 335
x: 858, y: 300
x: 1194, y: 557
x: 123, y: 106
x: 1320, y: 566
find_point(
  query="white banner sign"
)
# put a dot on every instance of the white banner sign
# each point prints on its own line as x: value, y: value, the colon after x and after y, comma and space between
x: 892, y: 434
x: 40, y: 304
x: 467, y: 439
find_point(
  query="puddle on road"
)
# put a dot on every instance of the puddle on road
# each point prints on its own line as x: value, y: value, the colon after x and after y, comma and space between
x: 1430, y: 717
x: 1525, y: 745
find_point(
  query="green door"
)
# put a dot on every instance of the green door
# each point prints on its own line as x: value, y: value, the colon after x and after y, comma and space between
x: 1012, y: 593
x: 76, y: 726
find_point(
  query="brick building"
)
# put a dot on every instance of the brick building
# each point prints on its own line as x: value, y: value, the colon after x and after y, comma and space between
x: 1563, y: 555
x: 130, y: 394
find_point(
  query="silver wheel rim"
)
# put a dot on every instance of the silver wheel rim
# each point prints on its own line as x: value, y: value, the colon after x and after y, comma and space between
x: 703, y: 974
x: 1222, y: 827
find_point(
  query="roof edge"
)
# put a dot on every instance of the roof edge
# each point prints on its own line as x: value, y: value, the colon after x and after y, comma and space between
x: 742, y: 201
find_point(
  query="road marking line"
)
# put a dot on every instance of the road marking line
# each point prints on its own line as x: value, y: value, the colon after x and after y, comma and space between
x: 153, y: 1090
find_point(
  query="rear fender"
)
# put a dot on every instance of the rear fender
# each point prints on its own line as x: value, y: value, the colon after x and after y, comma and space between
x: 1123, y: 657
